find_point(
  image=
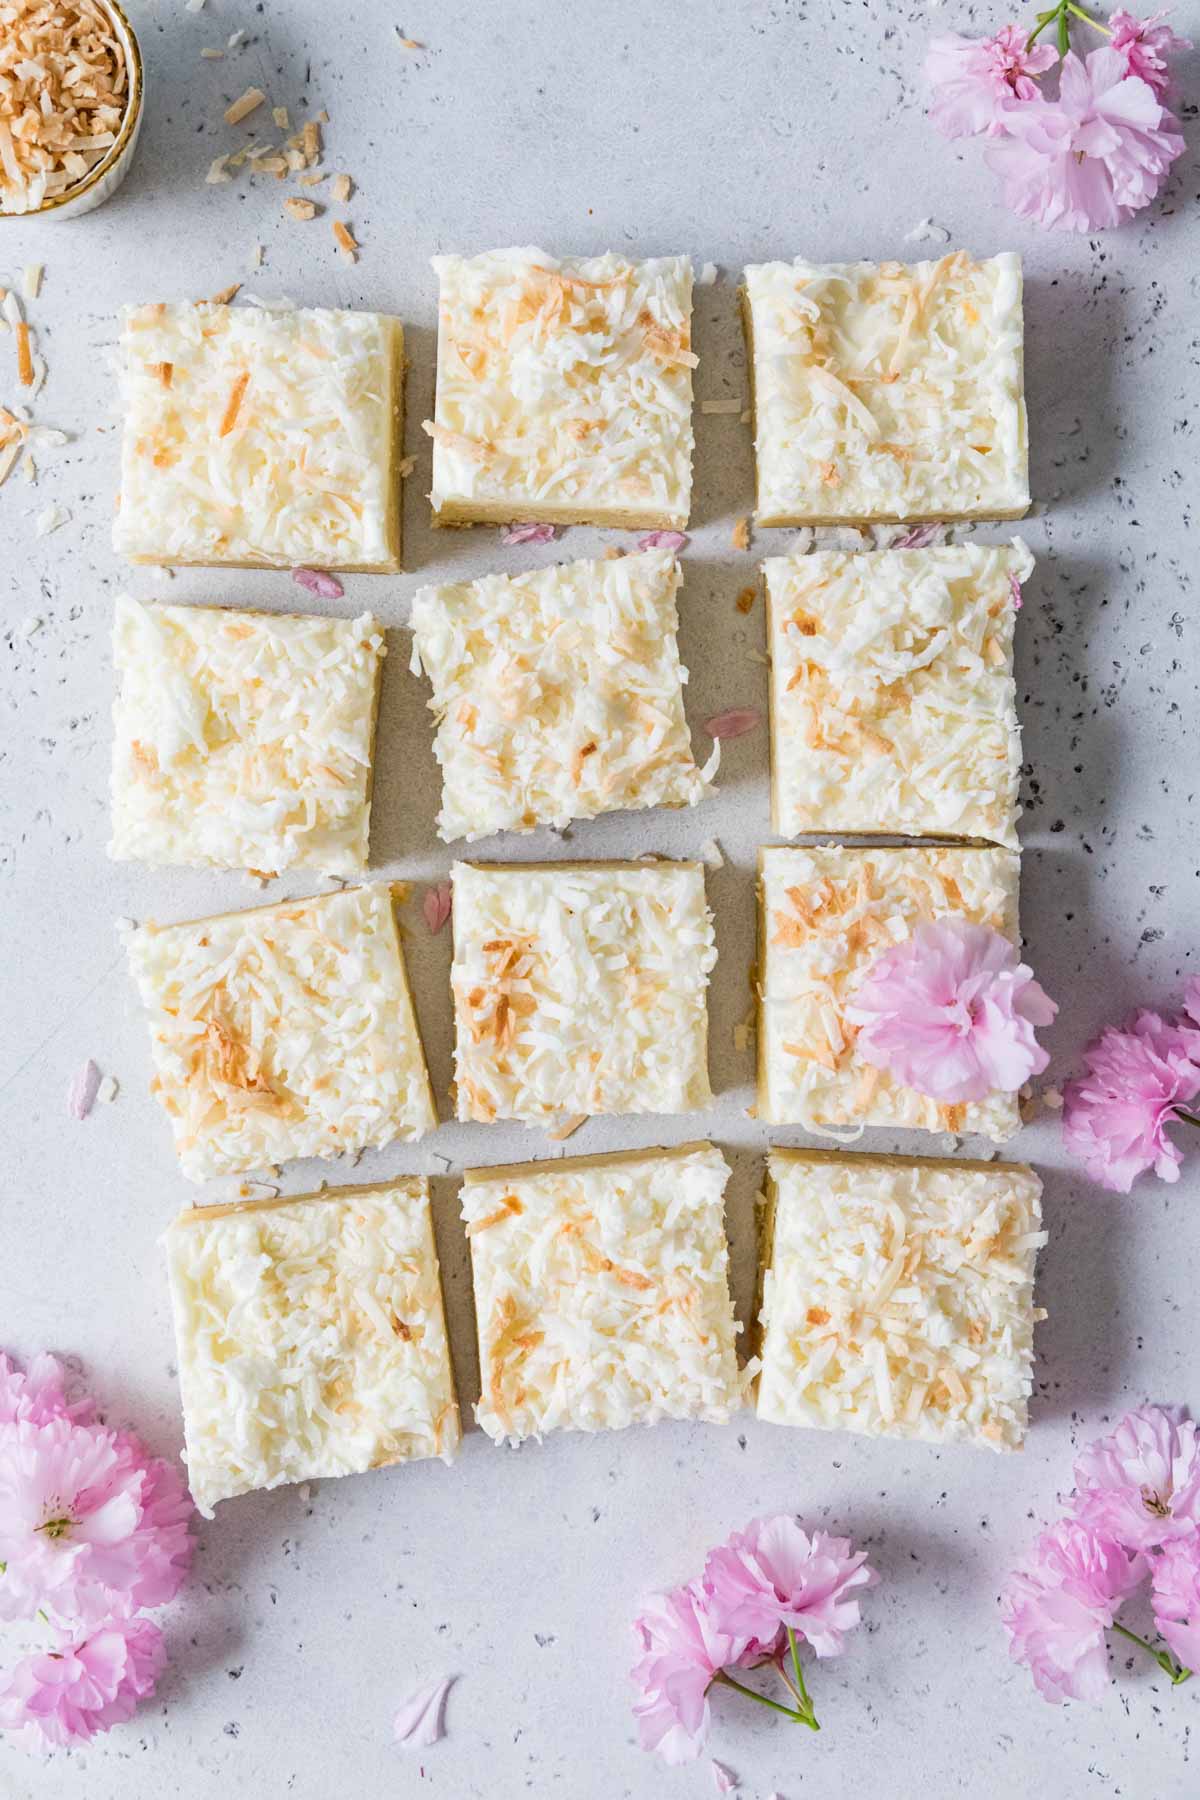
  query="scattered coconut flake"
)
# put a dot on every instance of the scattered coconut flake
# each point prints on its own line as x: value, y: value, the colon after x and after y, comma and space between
x: 721, y: 407
x: 280, y: 116
x: 81, y: 1095
x: 745, y: 600
x: 724, y: 1779
x: 803, y: 541
x: 567, y: 1129
x: 707, y: 275
x: 244, y: 106
x: 211, y: 55
x: 256, y: 256
x: 739, y: 537
x: 300, y: 209
x: 418, y: 1723
x: 235, y: 38
x: 218, y: 170
x: 407, y: 43
x: 926, y: 232
x: 340, y: 189
x: 711, y: 855
x: 528, y: 534
x: 735, y: 722
x: 919, y: 537
x: 193, y: 5
x: 346, y: 242
x: 436, y: 905
x: 51, y: 518
x: 30, y: 626
x: 31, y: 280
x: 405, y: 466
x: 108, y: 1090
x: 663, y: 540
x: 319, y: 581
x: 1052, y: 1099
x: 226, y: 294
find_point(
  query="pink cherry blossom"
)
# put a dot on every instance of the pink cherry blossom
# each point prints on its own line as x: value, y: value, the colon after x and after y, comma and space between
x: 1176, y: 1587
x: 1057, y: 1607
x: 972, y: 77
x: 774, y: 1574
x: 681, y: 1646
x: 1141, y: 1484
x: 88, y: 1523
x: 37, y: 1394
x: 1116, y: 1114
x: 67, y: 1695
x: 1092, y: 157
x: 951, y: 1012
x: 1145, y: 45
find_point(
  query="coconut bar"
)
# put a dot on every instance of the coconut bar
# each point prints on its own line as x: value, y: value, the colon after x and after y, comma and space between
x: 893, y: 706
x: 256, y: 438
x: 888, y: 391
x: 283, y: 1031
x: 311, y: 1336
x: 601, y: 1292
x: 579, y: 988
x: 897, y: 1296
x: 564, y: 390
x: 558, y: 694
x: 243, y: 740
x: 825, y: 915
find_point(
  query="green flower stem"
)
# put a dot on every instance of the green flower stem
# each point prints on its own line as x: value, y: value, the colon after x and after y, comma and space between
x: 1189, y: 1118
x: 797, y: 1716
x: 1060, y: 17
x: 1164, y: 1660
x: 805, y: 1701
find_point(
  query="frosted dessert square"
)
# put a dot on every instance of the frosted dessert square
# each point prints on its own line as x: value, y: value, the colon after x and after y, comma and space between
x: 888, y: 391
x: 312, y: 1339
x: 893, y: 706
x: 558, y: 694
x: 897, y: 1296
x: 283, y: 1031
x: 602, y: 1292
x: 564, y: 390
x: 243, y: 740
x: 825, y: 915
x: 579, y: 988
x: 256, y: 438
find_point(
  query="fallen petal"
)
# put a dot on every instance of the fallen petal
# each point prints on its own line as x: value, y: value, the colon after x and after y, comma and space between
x: 1014, y: 588
x: 81, y: 1096
x: 919, y: 537
x: 663, y: 540
x: 734, y: 723
x: 724, y: 1780
x: 435, y: 905
x: 419, y: 1720
x: 319, y: 581
x: 528, y: 534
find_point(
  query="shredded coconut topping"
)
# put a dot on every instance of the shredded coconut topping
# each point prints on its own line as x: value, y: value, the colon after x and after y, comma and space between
x: 255, y: 436
x: 580, y: 989
x: 601, y: 1292
x: 558, y: 694
x: 564, y: 389
x: 889, y: 391
x: 898, y: 1296
x: 893, y: 707
x: 243, y: 740
x: 284, y: 1031
x: 311, y: 1338
x: 826, y: 915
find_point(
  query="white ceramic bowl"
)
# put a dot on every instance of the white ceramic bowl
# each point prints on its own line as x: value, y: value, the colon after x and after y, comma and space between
x: 104, y: 180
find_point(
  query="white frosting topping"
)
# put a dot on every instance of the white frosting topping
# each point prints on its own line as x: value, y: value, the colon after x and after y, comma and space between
x: 564, y: 386
x: 893, y: 705
x: 602, y: 1293
x: 311, y: 1338
x: 827, y: 914
x: 885, y: 391
x: 580, y: 989
x: 898, y: 1300
x: 254, y: 436
x: 558, y: 694
x: 281, y: 1032
x: 243, y: 740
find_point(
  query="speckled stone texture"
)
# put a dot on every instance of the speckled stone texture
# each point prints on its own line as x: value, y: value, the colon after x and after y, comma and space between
x: 736, y: 133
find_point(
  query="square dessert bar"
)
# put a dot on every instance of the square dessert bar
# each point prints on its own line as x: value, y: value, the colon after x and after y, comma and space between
x: 558, y: 694
x: 601, y: 1292
x: 564, y: 390
x: 283, y: 1031
x: 260, y: 438
x: 579, y: 988
x: 825, y: 916
x: 888, y: 392
x: 243, y: 740
x: 893, y: 707
x: 897, y: 1296
x: 311, y: 1338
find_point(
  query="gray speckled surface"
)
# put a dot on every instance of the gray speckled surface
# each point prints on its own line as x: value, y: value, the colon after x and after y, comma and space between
x: 734, y: 133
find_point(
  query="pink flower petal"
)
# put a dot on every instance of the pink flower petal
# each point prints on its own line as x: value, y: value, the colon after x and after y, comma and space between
x: 736, y: 722
x: 724, y: 1780
x: 68, y: 1694
x: 1014, y: 588
x: 919, y: 538
x: 1116, y: 1113
x: 1057, y: 1606
x: 436, y: 905
x: 528, y: 534
x: 319, y: 581
x: 81, y: 1096
x: 419, y: 1723
x: 663, y: 540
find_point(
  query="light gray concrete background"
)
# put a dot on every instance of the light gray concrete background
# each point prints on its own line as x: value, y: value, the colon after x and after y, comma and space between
x: 734, y: 133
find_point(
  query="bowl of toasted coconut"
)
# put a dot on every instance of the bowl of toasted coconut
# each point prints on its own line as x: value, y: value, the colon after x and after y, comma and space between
x: 70, y: 105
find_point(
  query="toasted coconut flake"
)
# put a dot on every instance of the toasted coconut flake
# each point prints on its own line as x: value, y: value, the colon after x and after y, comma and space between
x: 745, y: 600
x: 218, y: 170
x: 567, y: 1129
x: 31, y: 280
x: 24, y: 354
x: 233, y: 406
x: 300, y: 209
x: 310, y: 140
x: 280, y: 116
x: 244, y: 106
x: 345, y: 239
x: 226, y: 294
x: 739, y: 537
x: 211, y: 55
x: 341, y: 188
